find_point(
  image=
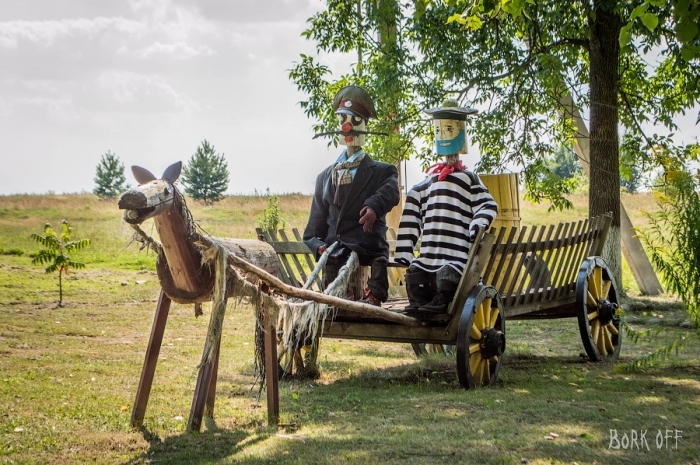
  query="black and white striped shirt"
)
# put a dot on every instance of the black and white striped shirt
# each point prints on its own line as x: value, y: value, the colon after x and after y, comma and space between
x: 443, y: 211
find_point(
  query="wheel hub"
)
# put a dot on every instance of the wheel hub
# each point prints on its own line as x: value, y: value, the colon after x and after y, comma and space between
x: 606, y: 311
x: 493, y: 343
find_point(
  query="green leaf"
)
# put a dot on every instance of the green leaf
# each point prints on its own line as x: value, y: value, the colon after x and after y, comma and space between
x: 456, y: 17
x: 474, y: 22
x: 626, y: 35
x: 650, y: 20
x: 686, y: 30
x: 639, y: 11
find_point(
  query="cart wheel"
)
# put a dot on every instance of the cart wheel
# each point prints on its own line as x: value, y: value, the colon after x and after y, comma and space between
x: 301, y: 363
x: 481, y: 338
x: 421, y: 350
x: 596, y: 309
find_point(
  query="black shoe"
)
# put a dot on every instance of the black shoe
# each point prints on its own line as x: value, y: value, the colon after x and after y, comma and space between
x: 437, y: 305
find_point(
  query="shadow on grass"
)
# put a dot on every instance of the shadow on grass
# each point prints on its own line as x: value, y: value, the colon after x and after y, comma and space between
x: 210, y: 446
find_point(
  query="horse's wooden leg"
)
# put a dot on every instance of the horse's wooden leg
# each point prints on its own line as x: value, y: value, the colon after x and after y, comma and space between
x: 151, y: 359
x: 201, y: 393
x: 271, y: 367
x: 209, y: 405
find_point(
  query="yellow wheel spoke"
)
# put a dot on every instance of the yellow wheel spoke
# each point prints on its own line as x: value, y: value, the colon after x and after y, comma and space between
x: 607, y: 284
x: 474, y: 360
x: 474, y: 348
x: 494, y: 317
x: 475, y: 333
x: 494, y: 359
x: 487, y: 372
x: 592, y: 316
x: 595, y: 329
x: 600, y: 341
x: 591, y: 301
x: 597, y: 277
x: 480, y: 317
x: 607, y: 339
x: 613, y: 330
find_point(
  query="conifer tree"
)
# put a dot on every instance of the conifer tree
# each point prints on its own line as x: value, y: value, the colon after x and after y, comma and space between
x: 110, y: 179
x: 206, y: 175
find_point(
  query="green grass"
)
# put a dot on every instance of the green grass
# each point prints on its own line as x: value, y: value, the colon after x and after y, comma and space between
x: 68, y: 376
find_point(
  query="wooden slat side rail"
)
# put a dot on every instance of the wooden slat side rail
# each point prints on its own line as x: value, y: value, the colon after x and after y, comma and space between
x: 520, y: 256
x: 565, y: 259
x: 295, y: 260
x: 308, y: 257
x: 558, y: 259
x: 545, y: 266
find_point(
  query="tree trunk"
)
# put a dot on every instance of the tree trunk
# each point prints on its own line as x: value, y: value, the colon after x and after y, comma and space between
x: 604, y: 187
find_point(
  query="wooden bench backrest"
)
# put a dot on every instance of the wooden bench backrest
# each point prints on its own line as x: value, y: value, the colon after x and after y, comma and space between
x: 297, y: 261
x: 541, y: 263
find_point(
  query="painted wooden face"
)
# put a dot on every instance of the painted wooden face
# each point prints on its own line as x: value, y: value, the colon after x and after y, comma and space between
x: 349, y: 122
x: 450, y: 136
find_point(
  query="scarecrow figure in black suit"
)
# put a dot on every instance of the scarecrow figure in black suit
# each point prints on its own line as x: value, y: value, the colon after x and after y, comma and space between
x: 351, y: 199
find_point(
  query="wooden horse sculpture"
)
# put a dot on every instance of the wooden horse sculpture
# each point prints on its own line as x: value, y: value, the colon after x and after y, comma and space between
x: 185, y: 276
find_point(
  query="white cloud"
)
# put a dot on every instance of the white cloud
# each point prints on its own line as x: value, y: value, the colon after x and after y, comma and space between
x: 61, y: 110
x: 46, y: 33
x: 179, y: 50
x: 151, y: 93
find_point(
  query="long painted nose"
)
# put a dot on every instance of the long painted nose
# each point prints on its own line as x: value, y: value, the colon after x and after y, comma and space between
x: 346, y: 127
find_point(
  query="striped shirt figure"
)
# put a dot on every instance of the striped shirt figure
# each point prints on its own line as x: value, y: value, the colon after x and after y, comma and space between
x: 446, y: 209
x: 446, y: 212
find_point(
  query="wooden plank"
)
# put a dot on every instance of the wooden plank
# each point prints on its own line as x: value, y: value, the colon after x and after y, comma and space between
x: 285, y: 263
x: 150, y: 360
x: 574, y: 227
x: 295, y: 260
x: 568, y: 259
x: 574, y: 262
x: 516, y: 291
x: 282, y: 272
x: 211, y: 396
x: 509, y: 296
x: 201, y: 392
x: 542, y: 274
x: 558, y: 258
x: 494, y: 254
x: 309, y: 258
x: 503, y: 250
x: 271, y: 364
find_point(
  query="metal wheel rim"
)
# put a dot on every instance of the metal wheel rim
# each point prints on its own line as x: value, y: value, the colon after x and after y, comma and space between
x: 596, y: 292
x: 482, y: 310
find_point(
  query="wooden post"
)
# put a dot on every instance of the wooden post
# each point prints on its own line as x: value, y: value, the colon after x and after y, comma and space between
x: 271, y: 367
x: 201, y: 393
x: 151, y: 359
x: 209, y: 405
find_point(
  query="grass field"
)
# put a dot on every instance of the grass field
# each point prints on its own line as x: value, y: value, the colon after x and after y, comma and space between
x: 68, y: 375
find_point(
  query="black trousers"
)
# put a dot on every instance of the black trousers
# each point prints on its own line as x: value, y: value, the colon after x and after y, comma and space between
x: 378, y: 281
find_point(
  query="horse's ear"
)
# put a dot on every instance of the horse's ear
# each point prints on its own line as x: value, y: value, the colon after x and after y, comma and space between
x: 172, y: 172
x: 142, y: 175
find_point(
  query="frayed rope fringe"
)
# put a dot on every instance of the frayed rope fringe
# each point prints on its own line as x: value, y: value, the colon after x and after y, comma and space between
x: 301, y: 321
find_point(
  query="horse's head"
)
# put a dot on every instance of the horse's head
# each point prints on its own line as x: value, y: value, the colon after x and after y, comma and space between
x: 152, y: 197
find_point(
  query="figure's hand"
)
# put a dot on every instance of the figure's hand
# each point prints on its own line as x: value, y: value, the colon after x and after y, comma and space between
x: 367, y: 218
x: 473, y: 231
x: 321, y: 249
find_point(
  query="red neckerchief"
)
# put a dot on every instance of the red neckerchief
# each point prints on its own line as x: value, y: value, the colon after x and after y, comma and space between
x: 443, y: 169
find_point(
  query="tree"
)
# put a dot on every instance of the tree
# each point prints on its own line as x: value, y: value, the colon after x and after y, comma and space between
x: 110, y: 179
x: 518, y: 61
x: 206, y: 174
x: 55, y: 254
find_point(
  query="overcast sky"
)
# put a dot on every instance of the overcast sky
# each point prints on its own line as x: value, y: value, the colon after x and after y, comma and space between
x: 149, y: 80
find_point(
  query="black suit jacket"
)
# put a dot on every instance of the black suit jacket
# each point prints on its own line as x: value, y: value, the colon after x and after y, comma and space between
x: 375, y: 185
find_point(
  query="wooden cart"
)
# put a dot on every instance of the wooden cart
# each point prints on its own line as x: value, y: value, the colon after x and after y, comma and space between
x: 551, y: 271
